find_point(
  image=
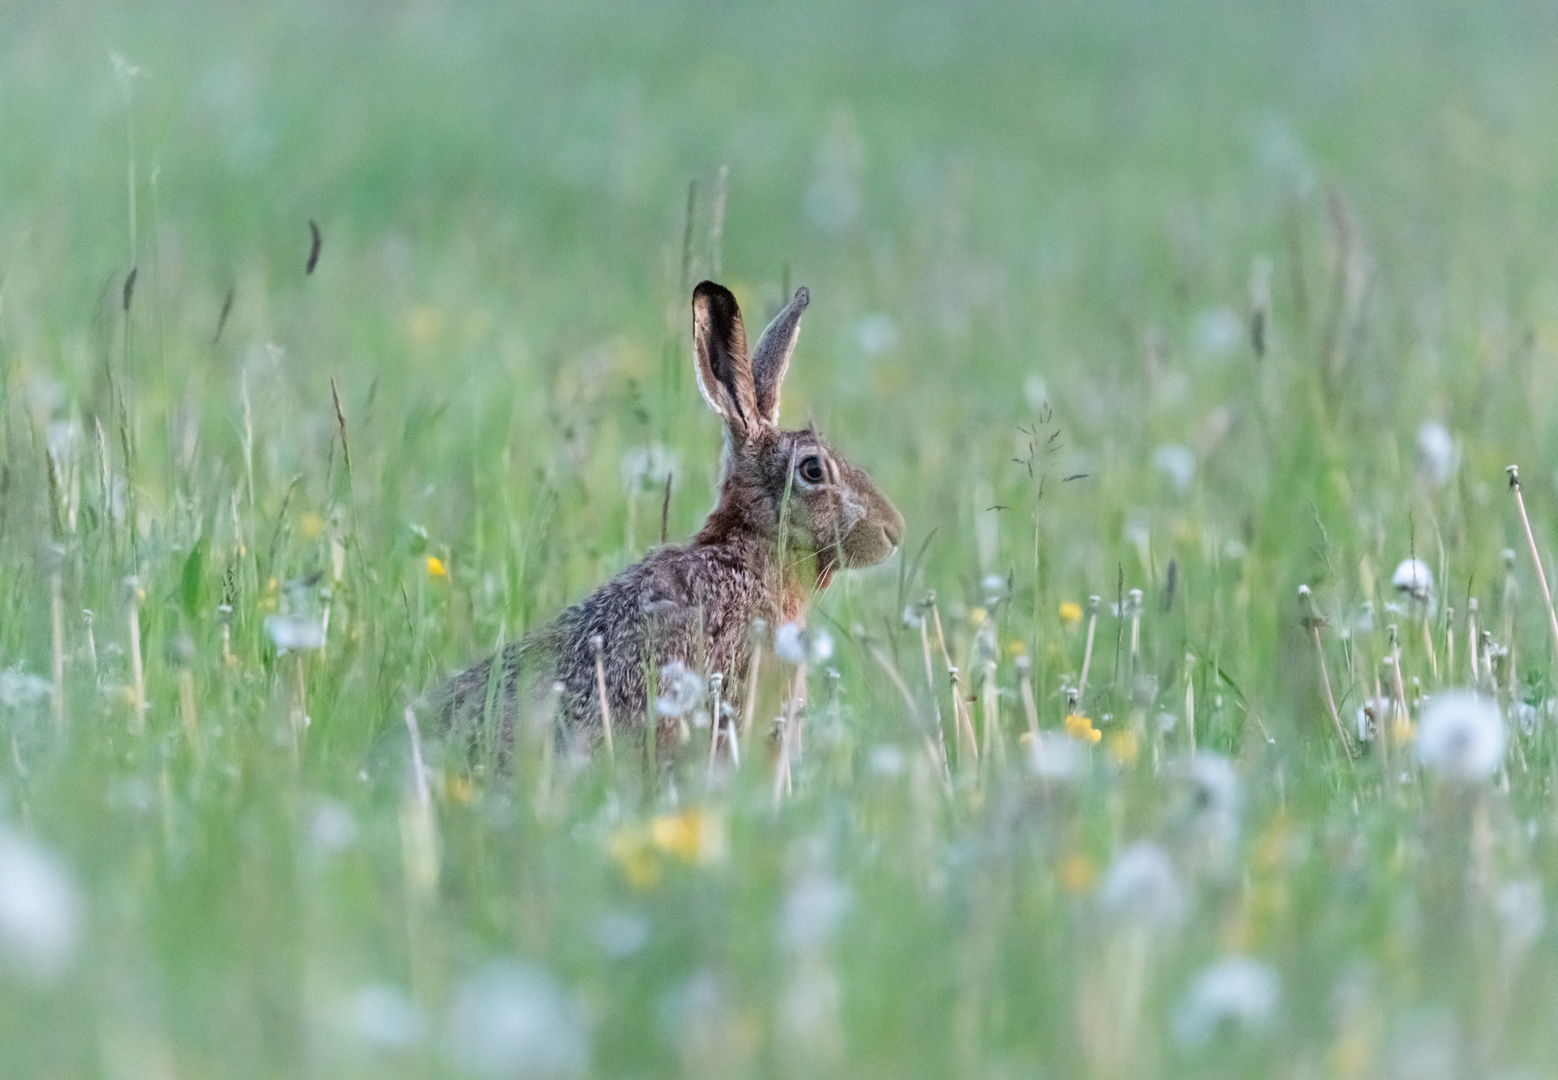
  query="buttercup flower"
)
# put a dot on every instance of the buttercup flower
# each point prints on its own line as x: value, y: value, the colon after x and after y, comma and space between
x: 1081, y: 728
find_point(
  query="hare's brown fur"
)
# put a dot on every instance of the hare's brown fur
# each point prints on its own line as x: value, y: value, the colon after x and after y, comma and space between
x: 791, y: 512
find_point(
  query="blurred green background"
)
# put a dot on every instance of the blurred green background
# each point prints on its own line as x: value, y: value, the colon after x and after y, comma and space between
x: 1038, y: 240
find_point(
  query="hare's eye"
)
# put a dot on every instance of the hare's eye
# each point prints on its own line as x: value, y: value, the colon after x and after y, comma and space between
x: 810, y: 469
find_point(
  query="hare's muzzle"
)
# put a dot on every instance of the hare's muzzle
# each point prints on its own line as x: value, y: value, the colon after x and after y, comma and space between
x: 876, y: 535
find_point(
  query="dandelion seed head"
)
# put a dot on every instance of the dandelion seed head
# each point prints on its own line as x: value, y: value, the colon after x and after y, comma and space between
x: 621, y: 934
x: 1235, y: 994
x: 1413, y: 578
x: 40, y: 909
x: 1176, y: 463
x: 681, y: 690
x: 1522, y: 914
x: 21, y: 689
x: 876, y: 334
x: 294, y: 633
x: 790, y: 643
x: 514, y: 1021
x: 383, y: 1017
x: 1141, y: 885
x: 1461, y: 736
x: 813, y: 909
x: 1437, y: 455
x: 646, y: 468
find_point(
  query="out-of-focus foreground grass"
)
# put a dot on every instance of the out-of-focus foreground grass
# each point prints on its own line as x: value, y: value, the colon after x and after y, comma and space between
x: 1209, y: 301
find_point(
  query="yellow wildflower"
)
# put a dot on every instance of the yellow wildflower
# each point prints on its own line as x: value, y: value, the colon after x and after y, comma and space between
x: 268, y: 601
x: 1077, y: 873
x: 630, y: 849
x: 312, y: 526
x: 1070, y: 613
x: 1015, y: 648
x: 460, y: 789
x: 694, y: 836
x: 424, y: 324
x: 1123, y: 746
x: 1402, y: 730
x: 436, y: 567
x: 1081, y: 728
x: 977, y: 616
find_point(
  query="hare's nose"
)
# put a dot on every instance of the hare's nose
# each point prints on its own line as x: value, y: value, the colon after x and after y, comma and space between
x: 892, y: 528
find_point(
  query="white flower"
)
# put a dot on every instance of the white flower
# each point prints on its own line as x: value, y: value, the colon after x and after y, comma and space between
x: 645, y: 468
x: 819, y: 646
x: 1461, y: 736
x: 40, y: 909
x: 1437, y: 455
x: 681, y: 690
x: 876, y: 334
x: 1233, y: 993
x: 1036, y: 391
x: 1522, y: 914
x: 1413, y: 578
x: 514, y: 1021
x: 383, y: 1017
x: 885, y: 759
x: 332, y: 829
x: 994, y: 586
x: 1056, y: 756
x: 21, y: 689
x: 700, y: 1019
x: 1177, y: 463
x: 620, y: 934
x: 1141, y: 885
x: 1218, y: 332
x: 295, y: 632
x: 813, y: 909
x: 790, y: 643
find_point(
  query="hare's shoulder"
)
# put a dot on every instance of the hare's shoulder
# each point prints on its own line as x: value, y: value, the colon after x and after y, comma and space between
x: 676, y: 582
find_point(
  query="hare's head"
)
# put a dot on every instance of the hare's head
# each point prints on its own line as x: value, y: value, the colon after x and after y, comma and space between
x: 772, y: 477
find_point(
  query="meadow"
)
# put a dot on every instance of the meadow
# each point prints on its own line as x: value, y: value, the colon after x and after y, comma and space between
x: 341, y: 344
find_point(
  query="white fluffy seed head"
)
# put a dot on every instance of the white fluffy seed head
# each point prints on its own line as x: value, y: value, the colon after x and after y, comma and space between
x: 1461, y: 737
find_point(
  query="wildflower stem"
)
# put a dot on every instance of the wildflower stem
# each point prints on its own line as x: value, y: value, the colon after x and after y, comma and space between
x: 991, y: 708
x: 1325, y: 675
x: 1541, y: 575
x: 1087, y: 650
x: 716, y: 680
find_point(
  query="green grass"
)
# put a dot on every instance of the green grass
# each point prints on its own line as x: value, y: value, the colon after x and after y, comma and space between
x: 1029, y: 235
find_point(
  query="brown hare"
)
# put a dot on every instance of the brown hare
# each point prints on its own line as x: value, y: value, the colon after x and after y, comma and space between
x: 791, y: 512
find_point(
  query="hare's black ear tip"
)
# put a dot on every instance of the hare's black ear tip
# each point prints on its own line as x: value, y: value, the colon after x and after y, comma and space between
x: 802, y: 297
x: 710, y: 290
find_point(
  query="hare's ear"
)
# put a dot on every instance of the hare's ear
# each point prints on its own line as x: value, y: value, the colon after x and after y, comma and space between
x: 724, y: 366
x: 771, y: 358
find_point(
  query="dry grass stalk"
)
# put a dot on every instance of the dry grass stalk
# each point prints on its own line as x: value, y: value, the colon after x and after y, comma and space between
x: 716, y: 683
x: 1093, y: 604
x: 990, y: 706
x: 961, y: 721
x: 1025, y: 686
x: 1314, y: 622
x: 749, y: 706
x: 1471, y: 640
x: 137, y: 671
x: 605, y: 706
x: 1541, y: 574
x: 936, y: 748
